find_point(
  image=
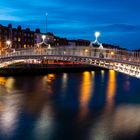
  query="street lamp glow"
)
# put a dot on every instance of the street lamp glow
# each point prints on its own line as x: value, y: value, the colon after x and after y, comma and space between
x: 86, y: 50
x: 112, y: 53
x: 97, y: 34
x: 43, y: 37
x: 8, y: 42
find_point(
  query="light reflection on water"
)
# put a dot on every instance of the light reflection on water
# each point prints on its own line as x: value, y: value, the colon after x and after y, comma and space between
x: 102, y: 129
x: 64, y: 82
x: 111, y: 88
x: 86, y: 87
x: 129, y: 124
x: 72, y: 106
x: 48, y: 81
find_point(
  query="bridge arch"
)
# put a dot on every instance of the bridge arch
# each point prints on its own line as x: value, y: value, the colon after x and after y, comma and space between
x: 118, y: 60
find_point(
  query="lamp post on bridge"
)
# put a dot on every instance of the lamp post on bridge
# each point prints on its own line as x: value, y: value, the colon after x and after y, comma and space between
x: 96, y: 42
x: 97, y: 34
x: 43, y: 38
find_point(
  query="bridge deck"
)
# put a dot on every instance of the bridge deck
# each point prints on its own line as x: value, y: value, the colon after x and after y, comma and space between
x: 127, y: 62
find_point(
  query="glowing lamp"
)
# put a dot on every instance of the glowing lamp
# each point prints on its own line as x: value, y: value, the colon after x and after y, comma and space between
x: 112, y: 53
x: 97, y: 34
x: 43, y: 37
x: 8, y: 42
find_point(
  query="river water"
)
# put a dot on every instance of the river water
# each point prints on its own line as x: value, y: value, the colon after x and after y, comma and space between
x: 97, y: 105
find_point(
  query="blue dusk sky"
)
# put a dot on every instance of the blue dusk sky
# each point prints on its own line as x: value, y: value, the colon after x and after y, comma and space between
x: 117, y: 20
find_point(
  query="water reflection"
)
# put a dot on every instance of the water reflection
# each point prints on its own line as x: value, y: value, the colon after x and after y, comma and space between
x: 9, y: 113
x: 8, y: 117
x: 111, y: 88
x: 2, y: 81
x: 70, y: 106
x: 48, y: 81
x: 103, y: 74
x: 127, y: 121
x: 102, y: 128
x: 44, y: 125
x: 86, y: 88
x: 127, y: 85
x: 64, y: 82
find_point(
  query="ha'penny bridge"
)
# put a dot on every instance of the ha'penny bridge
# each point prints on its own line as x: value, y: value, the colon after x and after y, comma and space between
x: 127, y: 62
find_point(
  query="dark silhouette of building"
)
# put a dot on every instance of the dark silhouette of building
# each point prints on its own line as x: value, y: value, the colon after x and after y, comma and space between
x: 25, y: 38
x: 4, y: 35
x: 20, y: 38
x: 81, y: 42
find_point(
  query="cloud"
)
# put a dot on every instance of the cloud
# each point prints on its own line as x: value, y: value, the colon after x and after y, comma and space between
x: 118, y: 28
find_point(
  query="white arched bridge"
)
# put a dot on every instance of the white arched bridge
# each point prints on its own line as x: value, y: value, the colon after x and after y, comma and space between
x: 123, y: 61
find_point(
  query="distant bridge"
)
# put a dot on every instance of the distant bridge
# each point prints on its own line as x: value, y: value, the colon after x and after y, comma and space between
x: 123, y: 61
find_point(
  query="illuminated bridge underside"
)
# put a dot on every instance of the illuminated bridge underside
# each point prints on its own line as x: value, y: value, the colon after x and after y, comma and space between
x: 117, y: 60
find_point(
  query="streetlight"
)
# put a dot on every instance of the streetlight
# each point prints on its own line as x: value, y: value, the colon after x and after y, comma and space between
x: 112, y: 53
x: 8, y: 46
x: 86, y: 50
x: 97, y: 34
x: 43, y: 37
x: 43, y: 42
x: 8, y: 42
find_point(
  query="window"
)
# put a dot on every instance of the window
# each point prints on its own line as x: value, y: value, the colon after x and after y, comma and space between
x: 19, y: 39
x: 24, y: 45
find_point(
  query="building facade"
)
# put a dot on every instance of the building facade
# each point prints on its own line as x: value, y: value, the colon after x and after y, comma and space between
x: 19, y: 38
x: 4, y: 36
x: 22, y: 38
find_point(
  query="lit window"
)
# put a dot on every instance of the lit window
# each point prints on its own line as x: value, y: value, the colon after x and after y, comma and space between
x: 24, y: 45
x: 19, y: 39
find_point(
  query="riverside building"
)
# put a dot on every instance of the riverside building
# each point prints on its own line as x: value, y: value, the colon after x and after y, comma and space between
x: 19, y: 38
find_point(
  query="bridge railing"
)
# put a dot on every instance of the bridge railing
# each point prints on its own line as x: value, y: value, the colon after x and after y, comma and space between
x: 113, y: 54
